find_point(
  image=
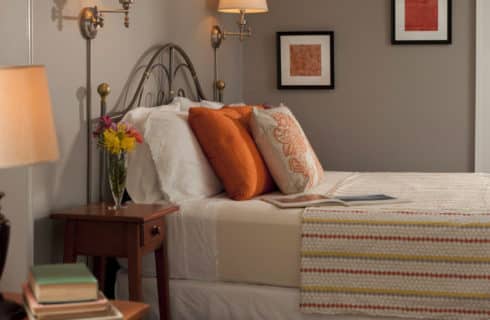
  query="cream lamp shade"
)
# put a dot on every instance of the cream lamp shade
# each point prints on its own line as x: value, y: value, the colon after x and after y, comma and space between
x: 247, y: 6
x: 27, y: 133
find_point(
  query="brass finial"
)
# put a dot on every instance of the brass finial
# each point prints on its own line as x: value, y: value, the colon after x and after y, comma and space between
x: 104, y: 90
x: 220, y: 85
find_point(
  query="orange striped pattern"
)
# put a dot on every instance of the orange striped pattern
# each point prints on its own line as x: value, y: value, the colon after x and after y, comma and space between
x: 420, y: 264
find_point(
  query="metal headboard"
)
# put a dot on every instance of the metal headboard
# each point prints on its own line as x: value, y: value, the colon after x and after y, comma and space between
x: 165, y: 64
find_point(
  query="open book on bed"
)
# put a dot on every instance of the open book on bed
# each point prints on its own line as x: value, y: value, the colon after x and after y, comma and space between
x: 317, y: 200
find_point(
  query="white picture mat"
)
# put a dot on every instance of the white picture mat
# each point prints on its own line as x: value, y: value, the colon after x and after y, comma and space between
x: 402, y: 35
x: 324, y: 42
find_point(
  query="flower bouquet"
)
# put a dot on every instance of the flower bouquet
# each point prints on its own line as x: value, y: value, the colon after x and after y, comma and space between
x: 117, y: 139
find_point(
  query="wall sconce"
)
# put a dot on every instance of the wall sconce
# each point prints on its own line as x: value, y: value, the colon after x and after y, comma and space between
x: 218, y: 34
x: 241, y: 7
x: 92, y: 18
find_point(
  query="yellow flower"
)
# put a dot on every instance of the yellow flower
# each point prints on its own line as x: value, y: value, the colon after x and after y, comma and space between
x: 111, y: 141
x: 119, y: 138
x: 121, y: 129
x: 128, y: 143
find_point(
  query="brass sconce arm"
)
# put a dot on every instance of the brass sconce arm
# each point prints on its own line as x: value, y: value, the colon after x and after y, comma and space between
x: 218, y: 34
x: 92, y: 18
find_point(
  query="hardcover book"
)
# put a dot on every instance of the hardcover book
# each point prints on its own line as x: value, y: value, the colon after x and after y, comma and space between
x: 44, y: 311
x: 60, y: 283
x: 112, y: 313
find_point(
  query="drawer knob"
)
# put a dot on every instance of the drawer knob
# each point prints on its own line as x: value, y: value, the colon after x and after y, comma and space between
x: 156, y: 230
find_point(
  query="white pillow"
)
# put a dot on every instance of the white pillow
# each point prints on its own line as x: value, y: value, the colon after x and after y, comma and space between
x: 142, y: 183
x: 182, y: 169
x: 186, y: 103
x: 212, y: 104
x: 286, y: 150
x: 219, y: 105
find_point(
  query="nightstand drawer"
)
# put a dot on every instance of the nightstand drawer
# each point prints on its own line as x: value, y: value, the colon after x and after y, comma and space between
x: 153, y: 231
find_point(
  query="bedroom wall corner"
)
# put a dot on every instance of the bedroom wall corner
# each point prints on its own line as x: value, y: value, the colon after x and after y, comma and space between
x: 15, y: 51
x: 59, y: 45
x: 395, y: 108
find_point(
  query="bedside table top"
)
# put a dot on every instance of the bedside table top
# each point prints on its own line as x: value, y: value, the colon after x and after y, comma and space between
x: 140, y: 213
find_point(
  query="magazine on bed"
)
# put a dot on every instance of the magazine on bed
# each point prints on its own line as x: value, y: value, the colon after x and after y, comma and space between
x: 317, y: 200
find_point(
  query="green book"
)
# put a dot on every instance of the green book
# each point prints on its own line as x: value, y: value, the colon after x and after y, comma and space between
x: 62, y: 283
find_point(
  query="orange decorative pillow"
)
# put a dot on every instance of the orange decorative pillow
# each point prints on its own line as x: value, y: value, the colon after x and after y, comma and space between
x: 225, y: 138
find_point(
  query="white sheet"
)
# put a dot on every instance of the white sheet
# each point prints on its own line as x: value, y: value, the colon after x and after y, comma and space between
x: 218, y: 239
x: 201, y: 300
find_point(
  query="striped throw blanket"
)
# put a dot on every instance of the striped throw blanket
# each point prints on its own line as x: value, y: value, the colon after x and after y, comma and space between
x: 396, y: 262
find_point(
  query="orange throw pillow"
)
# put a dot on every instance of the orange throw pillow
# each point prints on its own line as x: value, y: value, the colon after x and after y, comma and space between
x: 226, y: 141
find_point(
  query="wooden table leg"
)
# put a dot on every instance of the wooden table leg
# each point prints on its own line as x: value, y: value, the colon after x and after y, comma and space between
x: 161, y: 262
x: 99, y: 271
x: 134, y: 263
x: 69, y: 250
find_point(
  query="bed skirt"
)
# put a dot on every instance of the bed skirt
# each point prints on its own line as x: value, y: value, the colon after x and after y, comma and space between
x: 206, y: 300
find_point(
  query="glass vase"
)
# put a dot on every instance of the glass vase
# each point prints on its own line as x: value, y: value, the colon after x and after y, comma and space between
x: 117, y: 167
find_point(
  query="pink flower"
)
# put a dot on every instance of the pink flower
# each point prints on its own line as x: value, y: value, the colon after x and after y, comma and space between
x: 106, y: 121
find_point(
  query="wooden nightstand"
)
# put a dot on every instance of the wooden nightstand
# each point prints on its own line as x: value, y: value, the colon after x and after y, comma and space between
x: 96, y: 231
x: 130, y: 310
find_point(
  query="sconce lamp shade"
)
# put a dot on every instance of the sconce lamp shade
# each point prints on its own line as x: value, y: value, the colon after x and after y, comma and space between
x: 248, y: 6
x: 27, y: 133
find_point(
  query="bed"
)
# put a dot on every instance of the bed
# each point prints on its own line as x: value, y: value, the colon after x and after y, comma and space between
x: 222, y: 256
x: 241, y: 260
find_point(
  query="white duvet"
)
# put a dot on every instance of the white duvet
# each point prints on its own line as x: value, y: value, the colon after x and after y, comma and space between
x: 218, y: 239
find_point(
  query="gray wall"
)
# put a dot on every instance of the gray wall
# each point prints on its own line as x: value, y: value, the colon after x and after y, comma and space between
x: 15, y: 182
x: 408, y: 108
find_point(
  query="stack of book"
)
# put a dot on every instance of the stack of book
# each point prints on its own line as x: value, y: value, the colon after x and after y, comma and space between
x: 66, y: 292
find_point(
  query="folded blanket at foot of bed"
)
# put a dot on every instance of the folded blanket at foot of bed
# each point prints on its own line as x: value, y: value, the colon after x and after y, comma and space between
x: 405, y: 263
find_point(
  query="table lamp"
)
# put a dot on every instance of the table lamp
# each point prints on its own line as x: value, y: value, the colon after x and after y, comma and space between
x: 27, y: 136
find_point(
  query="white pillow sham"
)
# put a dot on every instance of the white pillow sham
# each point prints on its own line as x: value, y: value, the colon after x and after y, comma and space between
x: 186, y: 103
x: 183, y: 171
x: 142, y: 183
x: 170, y: 164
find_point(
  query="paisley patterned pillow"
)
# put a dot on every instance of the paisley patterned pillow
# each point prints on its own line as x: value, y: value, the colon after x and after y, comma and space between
x: 286, y: 150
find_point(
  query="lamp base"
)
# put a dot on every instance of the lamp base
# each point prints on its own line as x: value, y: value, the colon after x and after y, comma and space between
x: 10, y: 310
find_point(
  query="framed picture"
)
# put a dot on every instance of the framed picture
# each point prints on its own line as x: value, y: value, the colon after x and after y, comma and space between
x: 421, y: 22
x: 305, y: 60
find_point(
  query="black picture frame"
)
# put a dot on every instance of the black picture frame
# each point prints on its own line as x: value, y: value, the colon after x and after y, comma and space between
x: 449, y: 39
x: 281, y: 85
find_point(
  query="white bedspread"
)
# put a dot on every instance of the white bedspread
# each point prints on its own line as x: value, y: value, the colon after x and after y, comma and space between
x: 218, y: 239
